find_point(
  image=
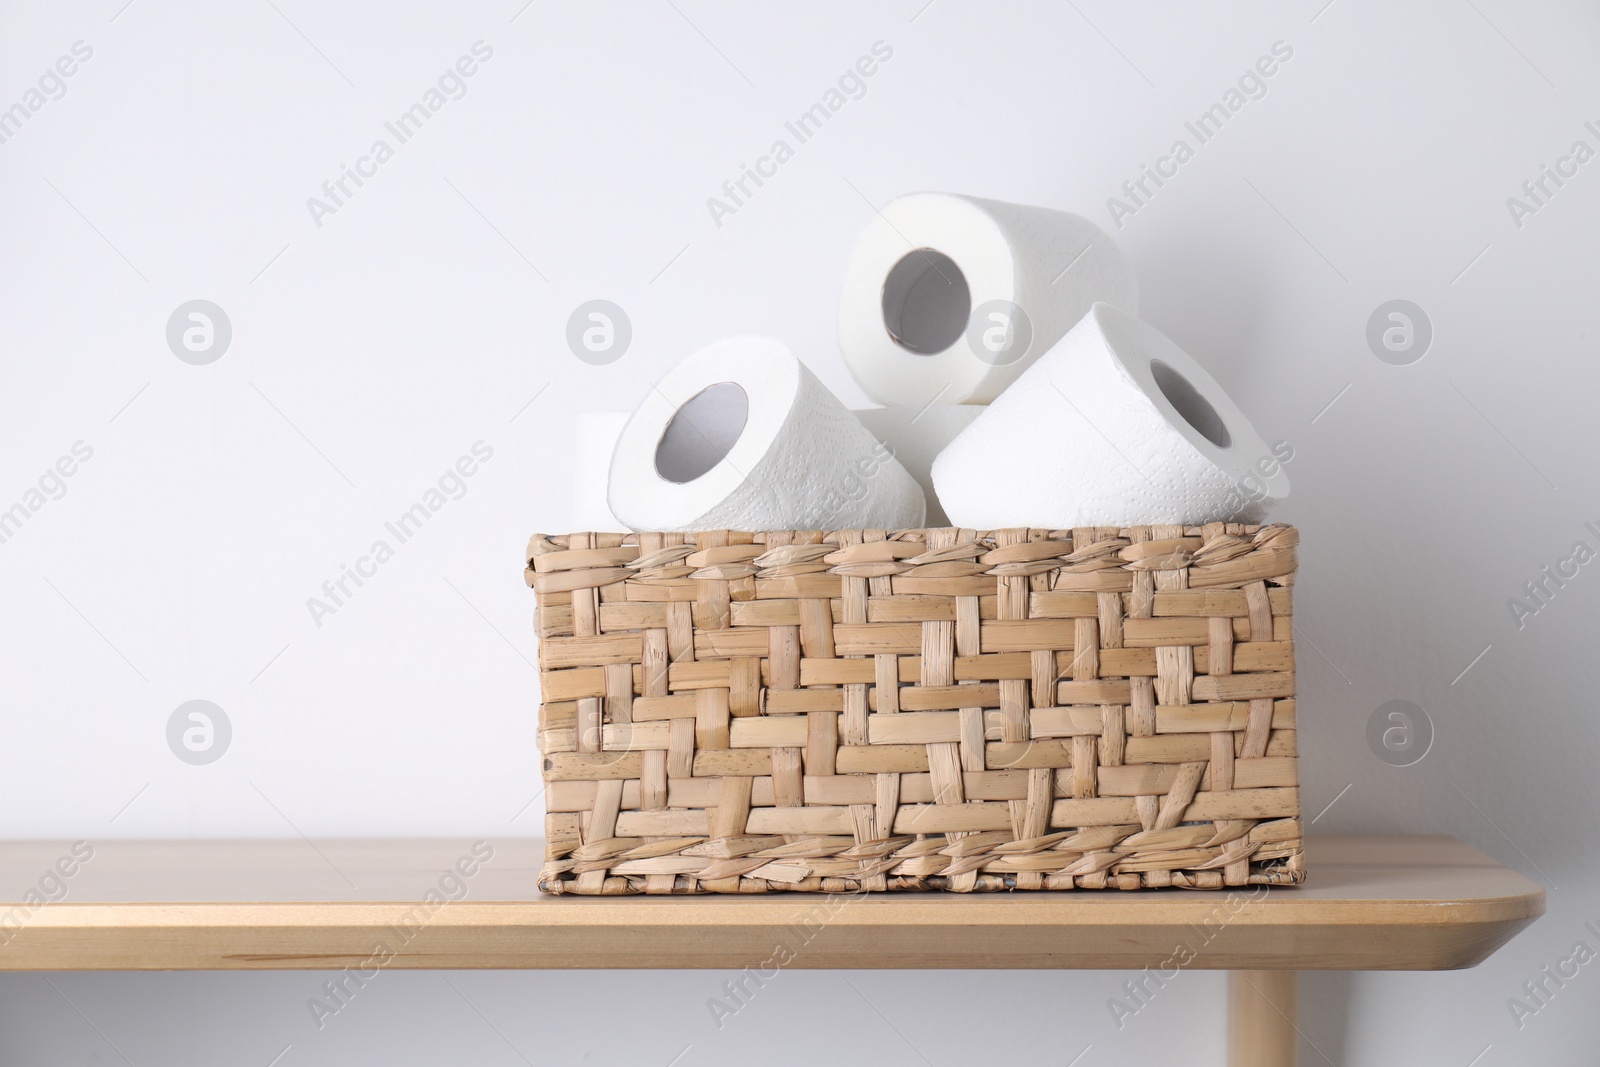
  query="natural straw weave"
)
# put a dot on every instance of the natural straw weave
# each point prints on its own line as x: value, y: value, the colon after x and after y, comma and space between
x: 733, y: 712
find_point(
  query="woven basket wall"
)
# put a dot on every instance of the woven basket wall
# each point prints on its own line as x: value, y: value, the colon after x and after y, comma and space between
x: 732, y: 712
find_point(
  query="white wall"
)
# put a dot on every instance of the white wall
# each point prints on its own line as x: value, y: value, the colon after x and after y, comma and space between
x: 369, y: 352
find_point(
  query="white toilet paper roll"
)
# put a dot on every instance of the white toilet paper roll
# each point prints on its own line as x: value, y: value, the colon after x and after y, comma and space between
x: 947, y: 299
x: 916, y: 436
x: 594, y: 439
x: 1115, y: 425
x: 741, y: 436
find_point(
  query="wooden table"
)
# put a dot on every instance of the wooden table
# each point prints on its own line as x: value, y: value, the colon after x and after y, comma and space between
x: 1371, y: 903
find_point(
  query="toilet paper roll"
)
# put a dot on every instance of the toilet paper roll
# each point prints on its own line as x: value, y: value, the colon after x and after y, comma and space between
x: 1114, y: 426
x: 593, y: 441
x: 916, y: 436
x: 741, y: 436
x: 947, y: 299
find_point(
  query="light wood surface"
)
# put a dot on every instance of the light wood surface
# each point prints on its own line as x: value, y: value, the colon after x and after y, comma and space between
x: 1263, y: 1018
x: 1371, y: 903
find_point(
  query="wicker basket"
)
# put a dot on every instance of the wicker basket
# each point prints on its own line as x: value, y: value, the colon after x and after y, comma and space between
x: 732, y: 712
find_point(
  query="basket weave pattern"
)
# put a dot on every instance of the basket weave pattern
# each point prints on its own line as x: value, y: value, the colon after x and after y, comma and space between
x: 731, y: 712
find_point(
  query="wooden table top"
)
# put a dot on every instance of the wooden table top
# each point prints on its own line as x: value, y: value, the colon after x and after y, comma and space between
x: 1370, y: 903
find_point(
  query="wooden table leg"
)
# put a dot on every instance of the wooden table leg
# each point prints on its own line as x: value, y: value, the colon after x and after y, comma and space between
x: 1263, y: 1011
